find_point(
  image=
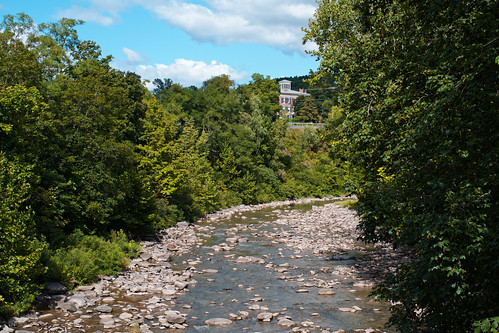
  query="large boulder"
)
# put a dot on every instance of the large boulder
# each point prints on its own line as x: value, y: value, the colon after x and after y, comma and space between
x: 56, y: 288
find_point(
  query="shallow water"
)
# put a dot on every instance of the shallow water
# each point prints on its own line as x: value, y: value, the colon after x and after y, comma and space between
x: 237, y: 286
x: 226, y: 287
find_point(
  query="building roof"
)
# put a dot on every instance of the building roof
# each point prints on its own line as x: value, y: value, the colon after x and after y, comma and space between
x: 294, y: 92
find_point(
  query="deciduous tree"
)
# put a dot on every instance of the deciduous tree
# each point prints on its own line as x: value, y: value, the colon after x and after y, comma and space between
x: 419, y: 85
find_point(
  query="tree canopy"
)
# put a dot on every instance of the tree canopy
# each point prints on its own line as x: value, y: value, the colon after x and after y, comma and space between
x: 419, y: 90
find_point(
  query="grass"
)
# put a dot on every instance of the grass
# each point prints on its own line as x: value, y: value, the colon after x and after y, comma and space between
x: 349, y: 203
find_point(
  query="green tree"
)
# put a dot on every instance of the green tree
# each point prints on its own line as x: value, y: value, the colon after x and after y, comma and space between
x: 308, y: 111
x: 20, y: 265
x: 18, y: 65
x: 267, y: 91
x: 174, y: 158
x: 419, y: 85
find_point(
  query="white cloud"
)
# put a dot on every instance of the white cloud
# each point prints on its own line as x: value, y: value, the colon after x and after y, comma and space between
x: 132, y: 57
x: 271, y: 22
x: 89, y: 15
x: 189, y: 72
x: 103, y: 12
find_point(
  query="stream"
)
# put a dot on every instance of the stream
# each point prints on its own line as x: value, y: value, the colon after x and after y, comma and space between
x: 283, y: 267
x: 277, y: 278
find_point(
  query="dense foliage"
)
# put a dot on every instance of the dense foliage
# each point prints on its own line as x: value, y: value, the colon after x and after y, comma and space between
x: 420, y: 97
x: 89, y: 157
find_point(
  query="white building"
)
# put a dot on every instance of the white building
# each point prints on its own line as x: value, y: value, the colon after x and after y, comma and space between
x: 288, y: 97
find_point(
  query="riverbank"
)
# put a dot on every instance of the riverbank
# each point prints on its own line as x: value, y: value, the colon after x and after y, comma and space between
x: 145, y: 298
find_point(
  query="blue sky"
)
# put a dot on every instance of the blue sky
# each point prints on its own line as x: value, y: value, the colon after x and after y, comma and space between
x: 189, y: 41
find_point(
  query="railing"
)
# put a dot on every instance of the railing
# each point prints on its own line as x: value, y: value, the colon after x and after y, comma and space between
x: 297, y: 125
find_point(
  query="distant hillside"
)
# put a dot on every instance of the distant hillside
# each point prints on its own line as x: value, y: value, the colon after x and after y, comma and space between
x: 298, y: 82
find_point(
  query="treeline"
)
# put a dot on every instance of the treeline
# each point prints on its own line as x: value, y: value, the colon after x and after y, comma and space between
x: 89, y: 157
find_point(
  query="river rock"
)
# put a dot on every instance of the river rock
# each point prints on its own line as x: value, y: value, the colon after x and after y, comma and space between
x: 180, y: 285
x: 85, y: 288
x: 169, y: 290
x: 265, y: 316
x: 218, y: 322
x: 326, y: 292
x: 126, y: 316
x: 244, y: 314
x: 286, y: 323
x: 17, y: 321
x: 182, y: 225
x: 346, y: 310
x: 79, y: 300
x: 174, y: 317
x: 146, y: 256
x: 172, y: 247
x: 55, y: 288
x: 104, y: 308
x: 328, y: 232
x: 68, y: 306
x: 106, y: 319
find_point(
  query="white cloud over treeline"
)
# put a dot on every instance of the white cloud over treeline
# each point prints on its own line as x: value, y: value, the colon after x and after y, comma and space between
x: 188, y: 72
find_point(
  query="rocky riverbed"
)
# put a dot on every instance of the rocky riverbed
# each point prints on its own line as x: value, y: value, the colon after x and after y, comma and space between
x: 292, y: 266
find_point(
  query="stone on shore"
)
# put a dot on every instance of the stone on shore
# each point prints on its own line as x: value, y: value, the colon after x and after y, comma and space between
x: 55, y: 288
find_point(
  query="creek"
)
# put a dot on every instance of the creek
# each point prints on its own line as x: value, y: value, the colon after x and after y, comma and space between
x: 292, y: 266
x: 263, y: 271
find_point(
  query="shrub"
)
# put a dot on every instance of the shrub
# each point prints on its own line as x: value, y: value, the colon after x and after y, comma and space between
x: 90, y: 256
x: 487, y: 325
